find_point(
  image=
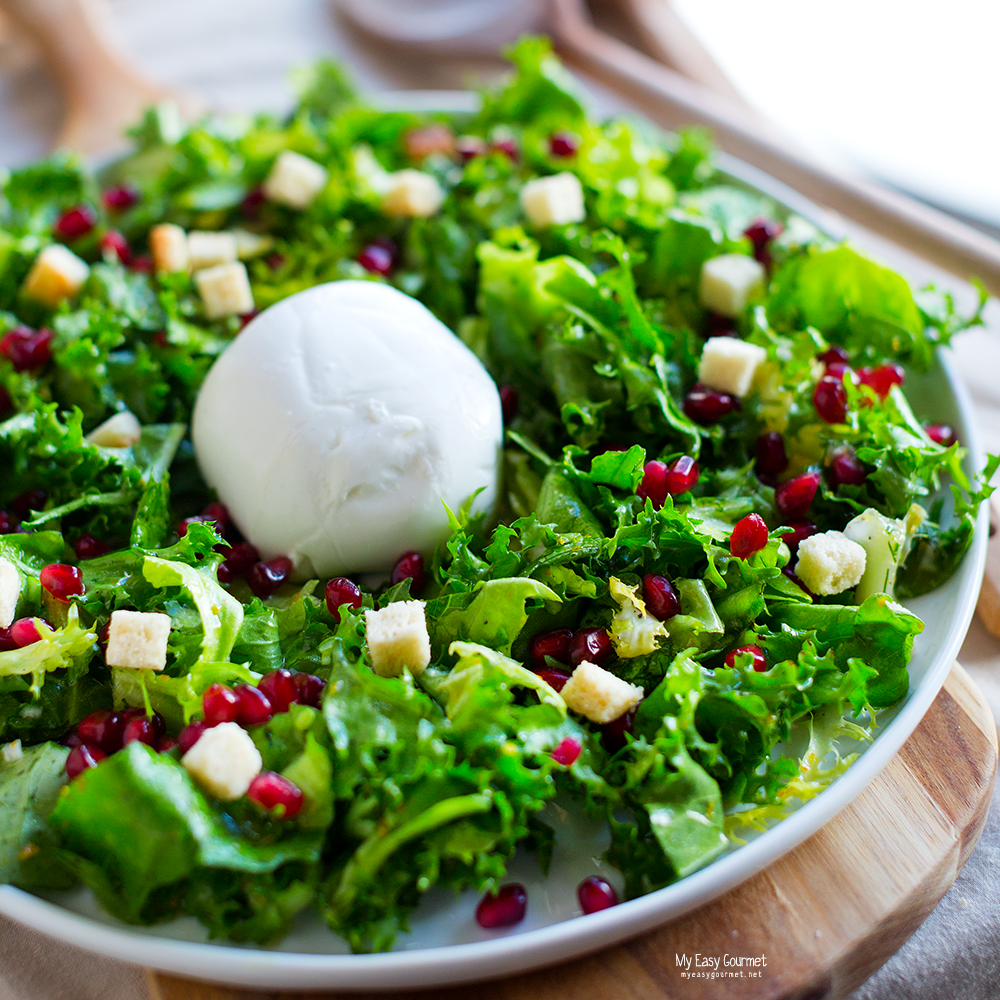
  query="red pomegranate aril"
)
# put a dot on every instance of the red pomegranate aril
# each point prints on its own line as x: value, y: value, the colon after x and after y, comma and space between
x: 252, y: 203
x: 241, y: 556
x: 469, y: 146
x: 509, y: 404
x: 749, y: 535
x: 553, y: 644
x: 82, y: 758
x: 802, y: 528
x: 225, y: 573
x: 275, y: 260
x: 71, y: 740
x: 681, y: 475
x: 8, y: 523
x: 717, y: 325
x: 61, y: 581
x: 254, y: 708
x: 266, y: 577
x: 653, y: 485
x: 836, y: 353
x: 88, y: 547
x: 563, y: 144
x: 246, y: 317
x: 508, y: 146
x: 165, y: 744
x: 279, y: 687
x: 183, y: 526
x: 838, y: 369
x: 219, y: 513
x: 309, y: 689
x: 567, y: 751
x: 27, y: 349
x: 760, y: 232
x: 113, y: 243
x: 117, y: 199
x: 595, y: 894
x: 376, y: 259
x: 275, y: 793
x: 772, y: 459
x: 6, y: 641
x: 846, y: 469
x: 422, y: 142
x: 190, y: 735
x: 220, y: 704
x: 141, y: 263
x: 25, y: 631
x: 942, y: 434
x: 504, y: 909
x: 139, y: 729
x: 556, y: 679
x: 75, y: 222
x: 794, y: 496
x: 882, y: 379
x: 340, y: 591
x: 759, y: 659
x: 830, y: 399
x: 28, y: 502
x: 593, y: 644
x: 613, y: 733
x: 103, y: 729
x: 410, y: 566
x: 662, y: 600
x: 707, y: 406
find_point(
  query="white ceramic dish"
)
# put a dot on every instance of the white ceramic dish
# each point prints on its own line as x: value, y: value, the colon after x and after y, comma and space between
x: 446, y: 946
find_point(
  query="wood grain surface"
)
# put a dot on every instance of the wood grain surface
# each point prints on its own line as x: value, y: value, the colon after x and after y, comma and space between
x: 824, y: 917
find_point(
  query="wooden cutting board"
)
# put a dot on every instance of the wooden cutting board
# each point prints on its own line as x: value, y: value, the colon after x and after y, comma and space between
x: 824, y: 917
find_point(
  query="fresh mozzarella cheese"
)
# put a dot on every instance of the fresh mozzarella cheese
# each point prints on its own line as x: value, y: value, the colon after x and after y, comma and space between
x: 56, y: 275
x: 295, y: 180
x: 224, y: 761
x: 553, y: 201
x: 120, y: 431
x: 830, y: 562
x: 337, y: 422
x: 138, y: 640
x: 10, y: 591
x: 225, y: 290
x: 411, y: 193
x: 398, y: 638
x: 730, y: 282
x: 206, y: 249
x: 598, y: 695
x: 730, y: 365
x: 169, y: 246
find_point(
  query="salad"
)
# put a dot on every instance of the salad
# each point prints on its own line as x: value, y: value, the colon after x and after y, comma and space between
x: 714, y: 495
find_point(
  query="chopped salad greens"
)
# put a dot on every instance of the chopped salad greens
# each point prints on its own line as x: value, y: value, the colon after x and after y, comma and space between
x: 653, y: 526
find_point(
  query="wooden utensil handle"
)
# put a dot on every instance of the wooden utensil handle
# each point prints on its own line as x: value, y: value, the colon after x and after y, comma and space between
x: 672, y: 100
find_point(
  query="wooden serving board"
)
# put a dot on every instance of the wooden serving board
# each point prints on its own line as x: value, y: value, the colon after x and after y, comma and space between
x: 825, y: 916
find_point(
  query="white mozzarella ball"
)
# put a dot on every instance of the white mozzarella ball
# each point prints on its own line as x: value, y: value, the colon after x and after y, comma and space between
x: 339, y: 420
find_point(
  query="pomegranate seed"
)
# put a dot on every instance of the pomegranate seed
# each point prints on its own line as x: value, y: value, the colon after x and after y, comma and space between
x: 266, y: 577
x: 61, y: 581
x: 166, y: 744
x: 830, y: 399
x: 422, y: 142
x: 882, y: 379
x: 139, y: 729
x: 190, y: 735
x: 846, y: 469
x: 273, y: 792
x: 240, y: 557
x: 508, y: 146
x: 504, y: 909
x: 72, y: 740
x: 772, y: 459
x: 717, y: 325
x: 375, y: 259
x: 662, y: 600
x: 759, y: 660
x: 6, y: 640
x: 834, y: 354
x: 117, y: 199
x: 88, y: 547
x: 279, y: 688
x: 182, y: 527
x: 554, y: 644
x: 942, y: 434
x: 255, y: 707
x: 309, y: 689
x: 509, y: 403
x: 593, y: 644
x: 220, y: 704
x: 469, y: 146
x: 567, y: 751
x: 787, y: 571
x: 653, y: 485
x: 564, y: 144
x: 114, y: 244
x: 706, y: 406
x: 801, y: 529
x: 224, y: 573
x: 682, y: 475
x: 794, y: 496
x: 838, y: 369
x: 760, y: 232
x: 749, y: 536
x: 556, y: 679
x: 141, y: 263
x: 219, y: 513
x: 25, y: 631
x: 26, y: 349
x: 274, y: 260
x: 410, y: 566
x: 28, y: 502
x: 595, y: 894
x: 613, y: 733
x: 8, y: 523
x: 341, y: 591
x: 246, y: 317
x: 252, y: 203
x: 75, y: 222
x: 82, y: 758
x: 101, y: 729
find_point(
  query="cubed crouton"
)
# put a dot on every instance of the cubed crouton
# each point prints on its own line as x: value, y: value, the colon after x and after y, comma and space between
x: 206, y: 249
x: 730, y: 282
x: 169, y: 246
x: 57, y: 274
x: 730, y: 365
x: 224, y: 761
x: 598, y: 695
x: 225, y: 290
x: 295, y: 180
x: 138, y: 639
x: 398, y: 638
x: 411, y: 193
x: 830, y: 562
x: 553, y: 201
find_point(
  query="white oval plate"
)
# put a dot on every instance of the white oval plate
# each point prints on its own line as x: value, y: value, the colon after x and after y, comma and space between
x: 445, y: 945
